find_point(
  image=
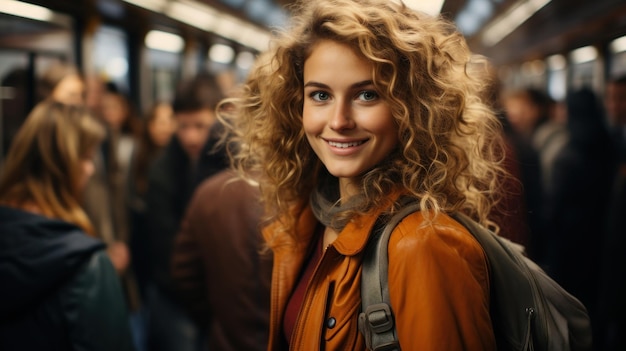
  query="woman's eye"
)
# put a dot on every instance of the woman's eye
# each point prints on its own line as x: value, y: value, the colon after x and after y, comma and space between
x: 319, y: 96
x: 368, y: 95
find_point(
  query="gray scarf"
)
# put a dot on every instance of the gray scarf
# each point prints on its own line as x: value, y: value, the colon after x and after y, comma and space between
x: 327, y: 208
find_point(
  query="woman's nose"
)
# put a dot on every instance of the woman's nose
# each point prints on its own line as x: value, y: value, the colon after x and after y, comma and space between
x: 342, y: 116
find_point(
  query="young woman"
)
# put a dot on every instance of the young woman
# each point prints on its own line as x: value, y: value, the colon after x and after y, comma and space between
x: 62, y: 82
x: 60, y: 290
x: 358, y: 107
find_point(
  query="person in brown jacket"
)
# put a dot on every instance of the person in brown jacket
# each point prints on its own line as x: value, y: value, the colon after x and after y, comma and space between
x: 219, y: 267
x: 360, y: 106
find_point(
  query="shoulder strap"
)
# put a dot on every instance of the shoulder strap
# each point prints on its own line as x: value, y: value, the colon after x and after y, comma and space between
x: 523, y: 317
x: 376, y: 321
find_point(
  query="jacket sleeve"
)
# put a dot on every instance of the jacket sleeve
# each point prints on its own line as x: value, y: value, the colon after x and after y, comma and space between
x: 439, y: 287
x: 94, y: 308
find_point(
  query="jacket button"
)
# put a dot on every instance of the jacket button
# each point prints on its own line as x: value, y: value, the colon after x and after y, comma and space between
x: 331, y: 322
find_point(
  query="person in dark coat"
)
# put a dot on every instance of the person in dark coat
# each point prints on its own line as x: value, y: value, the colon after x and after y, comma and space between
x: 222, y: 274
x: 612, y: 306
x: 578, y: 206
x: 59, y: 288
x: 191, y: 156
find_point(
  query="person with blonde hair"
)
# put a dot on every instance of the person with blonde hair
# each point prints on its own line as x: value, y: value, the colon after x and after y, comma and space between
x: 362, y: 106
x: 60, y: 290
x: 63, y: 82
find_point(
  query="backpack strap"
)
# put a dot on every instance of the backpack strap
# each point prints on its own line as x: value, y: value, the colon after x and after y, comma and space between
x: 376, y: 320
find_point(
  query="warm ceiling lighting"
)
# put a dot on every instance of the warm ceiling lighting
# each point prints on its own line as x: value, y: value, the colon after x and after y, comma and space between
x: 431, y: 7
x: 209, y: 19
x: 152, y: 5
x: 245, y: 60
x: 22, y: 9
x: 510, y: 20
x: 193, y: 13
x: 35, y: 12
x: 164, y: 41
x: 221, y: 53
x: 584, y: 54
x: 556, y: 62
x: 618, y: 45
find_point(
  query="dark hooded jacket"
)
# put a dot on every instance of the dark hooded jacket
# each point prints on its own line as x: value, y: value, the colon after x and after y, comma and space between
x: 59, y: 289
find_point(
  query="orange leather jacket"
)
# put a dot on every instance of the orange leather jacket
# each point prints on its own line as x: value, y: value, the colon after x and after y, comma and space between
x: 438, y: 284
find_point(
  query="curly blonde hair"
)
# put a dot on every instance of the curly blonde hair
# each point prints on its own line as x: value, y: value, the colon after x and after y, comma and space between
x: 450, y: 148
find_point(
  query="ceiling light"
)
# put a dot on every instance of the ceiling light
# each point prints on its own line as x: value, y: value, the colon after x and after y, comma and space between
x: 431, y: 7
x: 152, y: 5
x: 510, y: 20
x: 34, y: 12
x: 193, y: 13
x: 22, y: 9
x: 245, y: 60
x: 556, y: 62
x: 584, y: 54
x: 618, y: 45
x: 207, y: 18
x: 164, y: 41
x: 221, y: 53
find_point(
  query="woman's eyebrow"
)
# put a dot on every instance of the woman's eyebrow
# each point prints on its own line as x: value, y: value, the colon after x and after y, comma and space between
x: 322, y: 85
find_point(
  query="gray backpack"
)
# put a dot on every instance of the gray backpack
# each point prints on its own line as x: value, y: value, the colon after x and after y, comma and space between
x: 529, y: 310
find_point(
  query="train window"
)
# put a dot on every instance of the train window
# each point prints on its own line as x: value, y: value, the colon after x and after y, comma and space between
x: 30, y: 35
x: 533, y: 74
x: 30, y: 27
x: 244, y: 62
x: 585, y: 69
x: 557, y: 77
x: 618, y: 56
x: 14, y: 92
x: 165, y: 70
x: 111, y: 55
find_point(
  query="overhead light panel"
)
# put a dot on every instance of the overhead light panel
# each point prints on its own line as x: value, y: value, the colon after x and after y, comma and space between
x: 221, y: 53
x: 556, y: 62
x: 618, y: 45
x: 152, y: 5
x: 34, y: 12
x: 584, y: 54
x: 245, y: 60
x: 193, y: 13
x: 26, y: 10
x: 431, y: 7
x: 208, y: 19
x: 164, y: 41
x: 503, y: 25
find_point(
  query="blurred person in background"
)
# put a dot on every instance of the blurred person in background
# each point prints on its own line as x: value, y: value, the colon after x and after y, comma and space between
x: 107, y: 194
x: 510, y: 212
x: 189, y: 158
x: 577, y: 206
x: 615, y: 105
x: 155, y: 133
x: 532, y: 114
x: 220, y: 270
x: 60, y: 290
x: 528, y: 123
x: 62, y: 82
x: 612, y: 306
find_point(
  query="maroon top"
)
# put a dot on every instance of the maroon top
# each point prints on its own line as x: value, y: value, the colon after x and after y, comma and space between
x: 295, y: 301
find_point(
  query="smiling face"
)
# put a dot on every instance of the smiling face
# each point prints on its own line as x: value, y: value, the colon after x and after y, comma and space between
x: 348, y: 125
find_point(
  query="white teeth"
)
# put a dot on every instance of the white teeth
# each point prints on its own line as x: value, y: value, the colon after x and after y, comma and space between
x: 344, y: 145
